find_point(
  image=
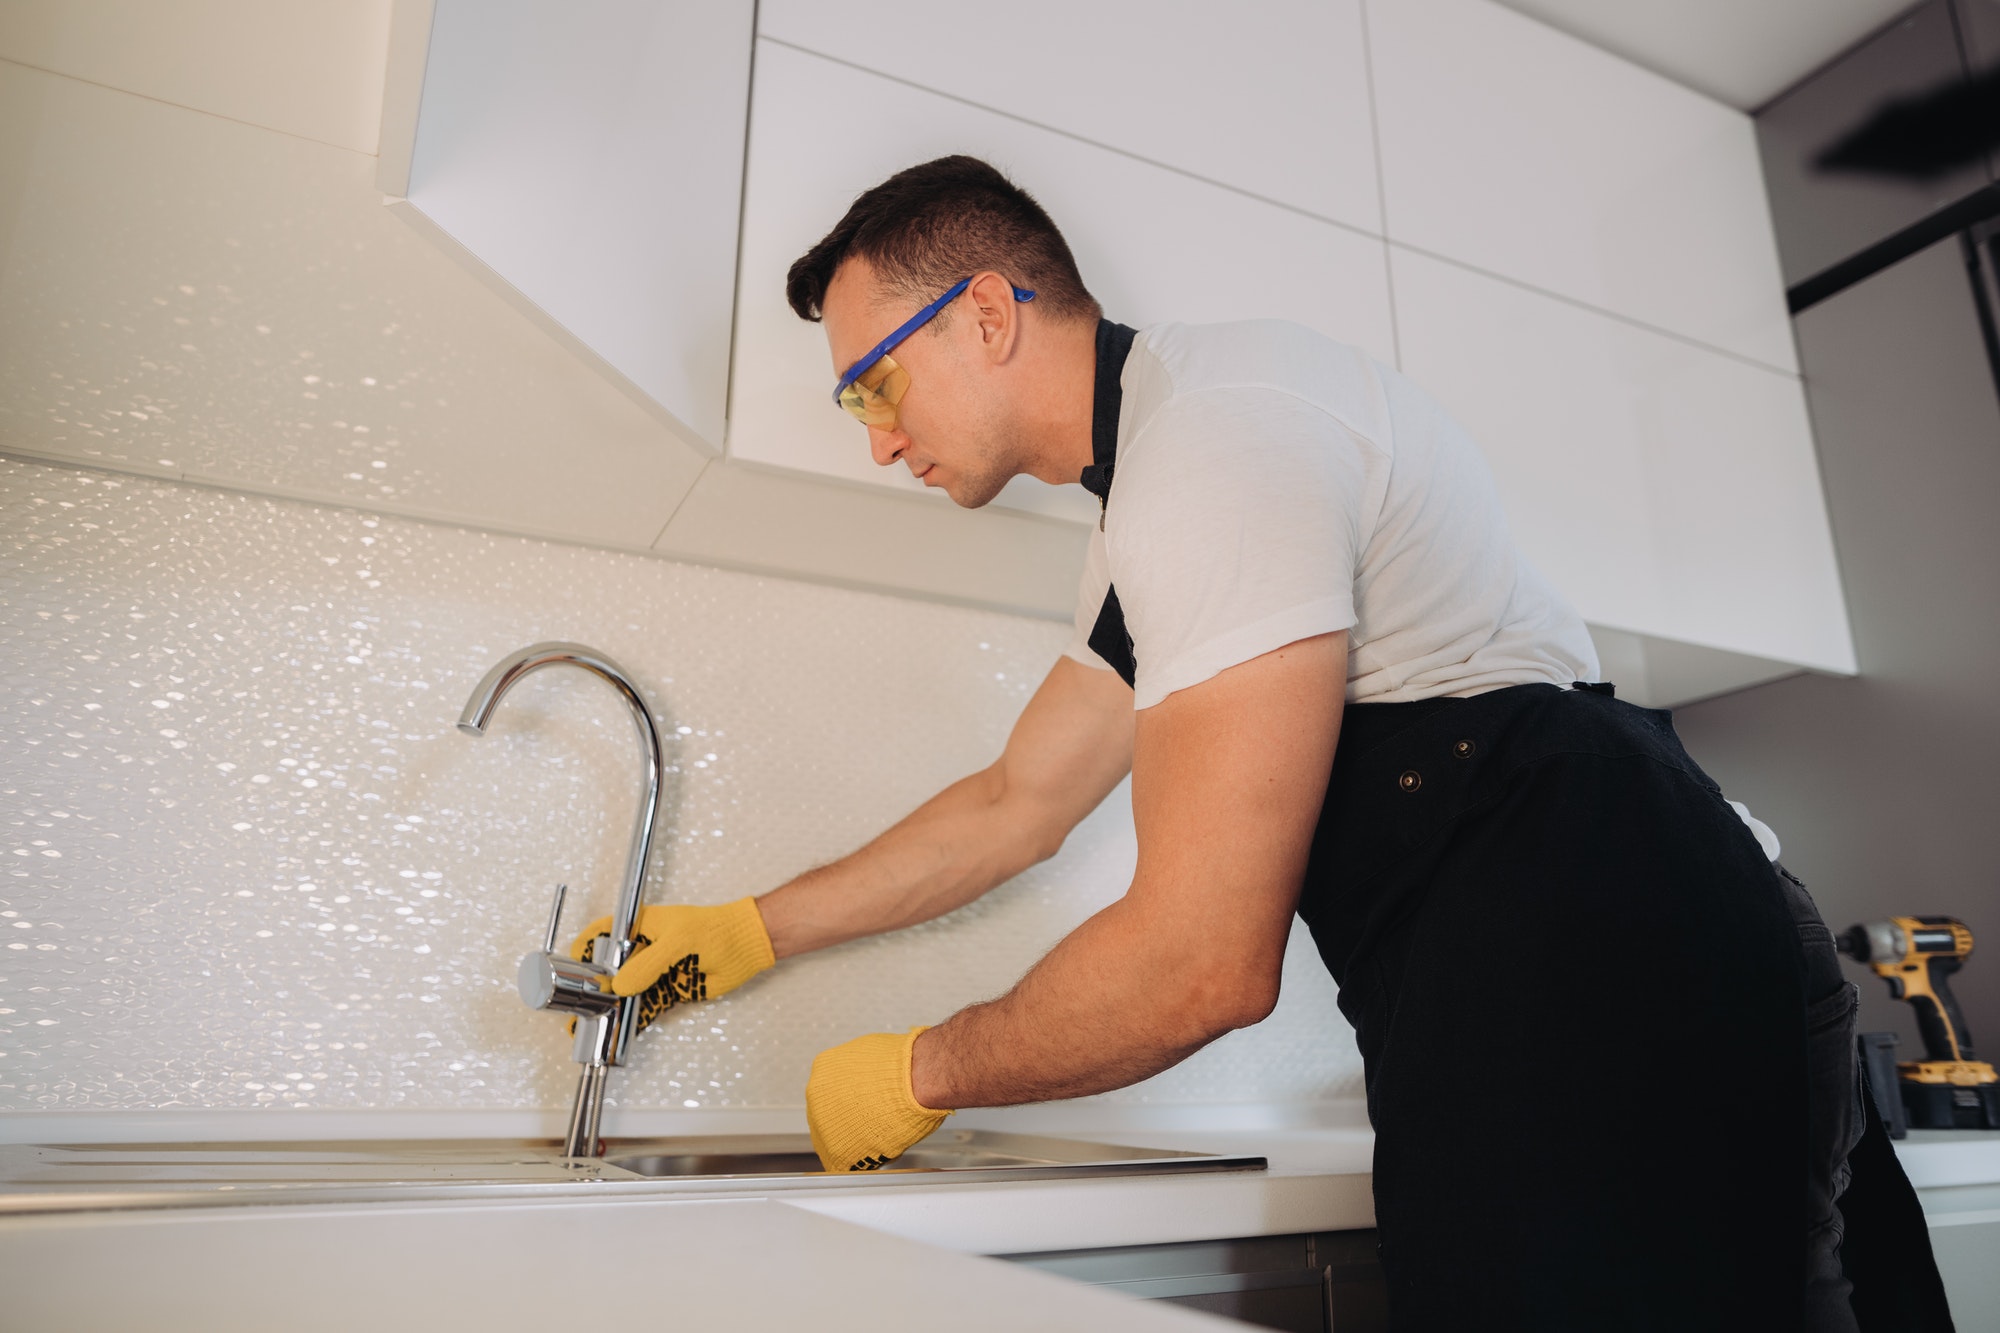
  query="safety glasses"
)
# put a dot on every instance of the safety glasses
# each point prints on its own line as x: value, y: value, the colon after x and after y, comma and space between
x: 873, y: 386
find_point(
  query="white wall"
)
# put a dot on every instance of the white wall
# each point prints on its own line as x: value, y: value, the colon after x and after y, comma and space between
x: 247, y: 861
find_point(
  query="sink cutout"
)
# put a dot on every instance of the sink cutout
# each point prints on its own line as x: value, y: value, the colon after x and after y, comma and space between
x: 70, y: 1177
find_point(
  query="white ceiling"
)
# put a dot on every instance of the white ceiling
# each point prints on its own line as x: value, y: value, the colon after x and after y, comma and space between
x: 1743, y: 52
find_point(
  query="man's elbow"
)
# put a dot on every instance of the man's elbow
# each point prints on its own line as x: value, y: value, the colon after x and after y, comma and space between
x: 1040, y: 827
x: 1254, y: 1003
x: 1226, y: 1003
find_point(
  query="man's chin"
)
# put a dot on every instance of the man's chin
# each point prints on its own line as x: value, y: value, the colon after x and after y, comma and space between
x: 974, y: 493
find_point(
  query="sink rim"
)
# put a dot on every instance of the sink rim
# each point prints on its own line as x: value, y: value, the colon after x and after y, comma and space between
x: 54, y: 1178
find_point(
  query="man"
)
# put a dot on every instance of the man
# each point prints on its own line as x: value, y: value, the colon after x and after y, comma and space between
x: 1590, y: 1007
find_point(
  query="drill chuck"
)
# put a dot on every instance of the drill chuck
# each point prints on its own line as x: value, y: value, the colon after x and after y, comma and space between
x: 1905, y: 939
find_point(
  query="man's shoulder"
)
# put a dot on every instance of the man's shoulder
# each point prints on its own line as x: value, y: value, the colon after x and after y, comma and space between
x: 1274, y: 361
x: 1250, y: 352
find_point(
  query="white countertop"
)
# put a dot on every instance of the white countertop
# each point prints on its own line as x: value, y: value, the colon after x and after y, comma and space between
x: 1318, y: 1180
x: 861, y: 1257
x: 828, y: 1259
x: 719, y: 1264
x: 1951, y: 1158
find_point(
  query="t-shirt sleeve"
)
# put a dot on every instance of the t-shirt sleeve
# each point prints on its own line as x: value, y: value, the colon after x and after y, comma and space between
x: 1089, y: 601
x: 1236, y: 524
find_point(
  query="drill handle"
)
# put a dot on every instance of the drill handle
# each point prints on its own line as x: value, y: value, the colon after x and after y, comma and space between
x: 1938, y: 1015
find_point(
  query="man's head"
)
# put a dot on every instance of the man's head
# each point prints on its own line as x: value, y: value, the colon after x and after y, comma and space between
x: 978, y: 371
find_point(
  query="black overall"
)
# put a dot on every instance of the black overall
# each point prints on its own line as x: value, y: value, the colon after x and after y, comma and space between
x: 1608, y: 1049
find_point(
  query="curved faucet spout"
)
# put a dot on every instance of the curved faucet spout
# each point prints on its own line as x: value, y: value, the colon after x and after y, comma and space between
x: 486, y: 697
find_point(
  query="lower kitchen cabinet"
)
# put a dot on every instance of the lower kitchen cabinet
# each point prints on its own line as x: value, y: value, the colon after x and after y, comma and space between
x: 1322, y: 1282
x: 1331, y: 1281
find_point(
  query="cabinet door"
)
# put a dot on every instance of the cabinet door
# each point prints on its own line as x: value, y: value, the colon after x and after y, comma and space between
x: 1327, y: 1280
x: 1267, y: 96
x: 1153, y: 244
x: 1668, y: 490
x: 1965, y: 1262
x: 1516, y: 149
x: 592, y: 157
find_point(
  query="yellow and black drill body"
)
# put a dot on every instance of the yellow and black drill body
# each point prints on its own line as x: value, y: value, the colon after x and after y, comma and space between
x: 1916, y: 955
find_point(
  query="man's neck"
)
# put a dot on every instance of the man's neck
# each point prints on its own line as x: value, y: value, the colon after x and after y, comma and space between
x: 1056, y: 430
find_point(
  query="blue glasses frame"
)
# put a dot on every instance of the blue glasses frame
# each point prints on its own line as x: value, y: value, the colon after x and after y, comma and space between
x: 910, y: 326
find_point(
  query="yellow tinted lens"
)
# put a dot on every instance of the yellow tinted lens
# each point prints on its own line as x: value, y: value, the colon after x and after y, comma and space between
x: 872, y: 398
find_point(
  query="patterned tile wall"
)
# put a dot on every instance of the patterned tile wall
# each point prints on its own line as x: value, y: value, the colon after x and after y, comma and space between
x: 246, y: 860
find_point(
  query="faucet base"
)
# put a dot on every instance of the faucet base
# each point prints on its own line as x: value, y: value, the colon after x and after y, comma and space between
x: 581, y: 1140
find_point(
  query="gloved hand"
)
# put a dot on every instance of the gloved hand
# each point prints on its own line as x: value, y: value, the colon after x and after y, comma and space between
x: 859, y: 1105
x: 685, y: 953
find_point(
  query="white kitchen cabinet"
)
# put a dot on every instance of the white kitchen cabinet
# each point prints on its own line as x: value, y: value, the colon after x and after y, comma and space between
x: 1669, y: 490
x: 1516, y: 149
x: 1153, y: 245
x: 591, y: 157
x: 1267, y: 96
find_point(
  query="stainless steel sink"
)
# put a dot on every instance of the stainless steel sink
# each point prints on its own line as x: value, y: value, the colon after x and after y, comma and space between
x: 69, y: 1177
x: 718, y: 1163
x: 990, y: 1155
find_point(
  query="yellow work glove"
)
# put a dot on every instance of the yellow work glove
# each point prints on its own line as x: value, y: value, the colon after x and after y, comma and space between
x: 859, y: 1105
x: 685, y: 954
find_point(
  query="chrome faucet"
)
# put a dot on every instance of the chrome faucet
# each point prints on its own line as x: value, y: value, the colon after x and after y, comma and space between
x: 549, y: 978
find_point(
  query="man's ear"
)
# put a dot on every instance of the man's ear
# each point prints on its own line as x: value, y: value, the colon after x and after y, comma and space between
x: 997, y: 314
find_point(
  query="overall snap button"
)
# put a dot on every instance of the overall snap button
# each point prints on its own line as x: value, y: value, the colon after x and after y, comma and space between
x: 1465, y: 749
x: 1411, y: 780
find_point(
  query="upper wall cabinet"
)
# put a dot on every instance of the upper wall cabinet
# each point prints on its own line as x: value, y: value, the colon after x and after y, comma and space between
x: 1512, y: 148
x: 1670, y: 491
x: 591, y: 156
x: 1153, y: 243
x: 1266, y: 96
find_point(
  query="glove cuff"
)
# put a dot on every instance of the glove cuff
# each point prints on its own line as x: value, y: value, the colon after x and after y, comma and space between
x: 740, y: 947
x: 860, y: 1105
x: 909, y: 1051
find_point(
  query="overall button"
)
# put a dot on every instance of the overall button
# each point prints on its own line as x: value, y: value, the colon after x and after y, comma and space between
x: 1465, y: 749
x: 1411, y: 780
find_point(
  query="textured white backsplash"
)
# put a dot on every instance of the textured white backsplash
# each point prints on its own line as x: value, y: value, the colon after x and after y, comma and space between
x: 247, y: 860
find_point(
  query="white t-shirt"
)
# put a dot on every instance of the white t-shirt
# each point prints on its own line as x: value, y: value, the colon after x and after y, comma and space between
x: 1272, y: 485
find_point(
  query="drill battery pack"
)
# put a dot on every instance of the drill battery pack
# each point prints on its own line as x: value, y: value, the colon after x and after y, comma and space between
x: 1950, y: 1094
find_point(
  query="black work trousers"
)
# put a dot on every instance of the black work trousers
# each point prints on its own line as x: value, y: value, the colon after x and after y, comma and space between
x: 1609, y: 1052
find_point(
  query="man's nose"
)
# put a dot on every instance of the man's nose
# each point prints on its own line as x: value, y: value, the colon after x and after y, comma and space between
x: 886, y: 445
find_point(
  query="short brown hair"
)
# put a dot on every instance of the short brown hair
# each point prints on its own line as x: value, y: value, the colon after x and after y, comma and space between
x: 926, y: 227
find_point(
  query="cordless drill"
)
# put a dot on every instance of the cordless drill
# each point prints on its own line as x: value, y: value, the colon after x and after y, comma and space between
x: 1949, y: 1089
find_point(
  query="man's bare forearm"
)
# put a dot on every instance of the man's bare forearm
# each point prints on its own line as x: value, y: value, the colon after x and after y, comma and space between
x: 1125, y: 995
x: 944, y: 854
x: 1070, y: 746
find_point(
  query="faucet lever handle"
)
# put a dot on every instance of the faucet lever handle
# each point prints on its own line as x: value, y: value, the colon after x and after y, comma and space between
x: 555, y: 920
